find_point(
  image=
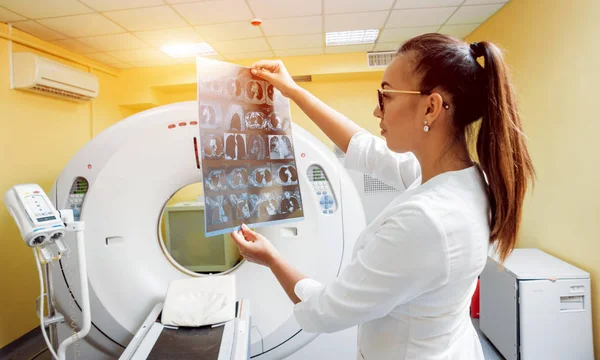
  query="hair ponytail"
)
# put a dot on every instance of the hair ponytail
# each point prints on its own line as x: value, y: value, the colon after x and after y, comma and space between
x: 445, y: 63
x: 502, y: 151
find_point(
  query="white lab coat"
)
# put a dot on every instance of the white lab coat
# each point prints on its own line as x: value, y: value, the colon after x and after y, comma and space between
x: 414, y: 268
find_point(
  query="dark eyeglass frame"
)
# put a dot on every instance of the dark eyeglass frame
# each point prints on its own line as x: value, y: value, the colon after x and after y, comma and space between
x: 380, y: 93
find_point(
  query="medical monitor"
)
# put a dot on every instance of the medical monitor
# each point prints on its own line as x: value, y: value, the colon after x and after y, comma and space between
x: 185, y: 240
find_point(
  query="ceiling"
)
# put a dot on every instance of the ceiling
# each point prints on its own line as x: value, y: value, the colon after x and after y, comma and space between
x: 129, y: 33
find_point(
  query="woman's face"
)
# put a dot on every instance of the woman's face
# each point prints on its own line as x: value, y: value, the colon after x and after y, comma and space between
x: 402, y: 119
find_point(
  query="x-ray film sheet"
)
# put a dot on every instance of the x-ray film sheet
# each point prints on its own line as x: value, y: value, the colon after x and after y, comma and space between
x: 247, y: 150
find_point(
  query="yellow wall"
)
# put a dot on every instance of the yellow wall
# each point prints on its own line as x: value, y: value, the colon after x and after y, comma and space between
x: 552, y: 48
x: 355, y: 98
x: 38, y: 135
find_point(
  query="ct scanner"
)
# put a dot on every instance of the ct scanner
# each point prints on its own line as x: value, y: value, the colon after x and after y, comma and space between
x: 119, y: 184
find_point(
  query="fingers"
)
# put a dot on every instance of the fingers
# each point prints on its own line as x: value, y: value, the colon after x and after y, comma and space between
x: 248, y: 232
x: 263, y: 74
x: 266, y: 69
x: 270, y: 65
x: 244, y: 235
x: 239, y: 239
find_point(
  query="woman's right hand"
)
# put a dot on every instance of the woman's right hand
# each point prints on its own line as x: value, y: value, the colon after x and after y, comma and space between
x: 335, y: 125
x: 254, y: 247
x: 275, y: 72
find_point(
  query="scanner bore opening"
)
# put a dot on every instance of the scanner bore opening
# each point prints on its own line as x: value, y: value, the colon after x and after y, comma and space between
x: 182, y: 240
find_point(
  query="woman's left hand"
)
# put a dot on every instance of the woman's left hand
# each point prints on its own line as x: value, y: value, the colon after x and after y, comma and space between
x: 254, y: 247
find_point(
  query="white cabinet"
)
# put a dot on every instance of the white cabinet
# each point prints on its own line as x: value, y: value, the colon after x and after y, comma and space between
x: 536, y: 307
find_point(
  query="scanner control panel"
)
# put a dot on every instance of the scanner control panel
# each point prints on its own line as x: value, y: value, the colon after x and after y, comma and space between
x: 322, y: 188
x: 76, y: 196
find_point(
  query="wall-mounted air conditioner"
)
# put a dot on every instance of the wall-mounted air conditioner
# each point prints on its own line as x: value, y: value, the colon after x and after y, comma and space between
x: 32, y: 72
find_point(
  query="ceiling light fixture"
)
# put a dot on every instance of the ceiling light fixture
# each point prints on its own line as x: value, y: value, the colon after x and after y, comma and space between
x: 355, y: 37
x: 188, y: 50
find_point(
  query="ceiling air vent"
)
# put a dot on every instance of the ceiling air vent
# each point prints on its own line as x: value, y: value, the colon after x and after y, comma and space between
x: 377, y: 59
x: 302, y: 78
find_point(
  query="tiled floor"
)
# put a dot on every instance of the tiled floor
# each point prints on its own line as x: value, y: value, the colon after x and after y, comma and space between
x: 45, y: 355
x: 33, y: 348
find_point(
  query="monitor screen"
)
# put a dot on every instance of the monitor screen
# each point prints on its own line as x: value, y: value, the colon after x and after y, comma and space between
x: 187, y: 244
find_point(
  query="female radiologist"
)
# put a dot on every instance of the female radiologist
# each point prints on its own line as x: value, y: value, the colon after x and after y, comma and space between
x: 415, y: 267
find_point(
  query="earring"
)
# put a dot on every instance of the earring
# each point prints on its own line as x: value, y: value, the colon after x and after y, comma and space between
x: 426, y: 127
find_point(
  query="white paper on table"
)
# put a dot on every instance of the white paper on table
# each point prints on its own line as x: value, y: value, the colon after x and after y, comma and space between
x: 200, y: 301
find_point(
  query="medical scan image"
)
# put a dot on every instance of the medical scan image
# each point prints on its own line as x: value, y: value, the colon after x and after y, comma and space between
x: 212, y: 87
x: 213, y: 147
x: 277, y: 123
x: 209, y: 116
x: 234, y: 118
x: 234, y: 88
x: 204, y: 86
x: 216, y: 180
x: 255, y: 120
x: 215, y: 212
x: 237, y: 206
x: 262, y: 205
x: 270, y: 94
x: 257, y: 147
x: 255, y: 92
x: 238, y: 178
x: 216, y: 87
x: 244, y: 123
x: 280, y: 147
x: 289, y: 202
x: 261, y: 177
x: 235, y: 146
x: 285, y: 174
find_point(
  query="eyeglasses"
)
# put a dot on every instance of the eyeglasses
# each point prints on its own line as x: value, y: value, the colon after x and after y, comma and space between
x: 380, y: 93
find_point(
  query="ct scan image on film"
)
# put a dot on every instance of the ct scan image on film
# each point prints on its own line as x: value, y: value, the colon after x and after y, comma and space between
x: 246, y: 150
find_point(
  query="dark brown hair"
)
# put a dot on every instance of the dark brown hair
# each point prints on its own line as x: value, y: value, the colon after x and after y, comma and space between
x: 450, y: 65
